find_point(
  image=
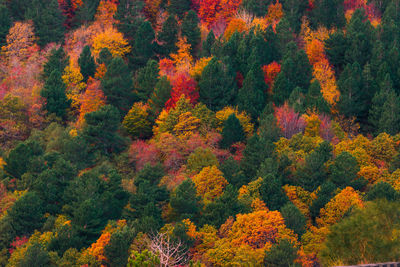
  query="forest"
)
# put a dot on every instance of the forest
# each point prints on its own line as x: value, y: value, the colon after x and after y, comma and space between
x: 199, y: 133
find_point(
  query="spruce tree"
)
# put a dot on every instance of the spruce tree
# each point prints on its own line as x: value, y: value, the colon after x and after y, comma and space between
x: 161, y: 94
x: 256, y: 7
x: 190, y: 29
x: 271, y: 192
x: 328, y: 13
x: 217, y: 85
x: 251, y: 97
x: 184, y: 201
x: 294, y: 10
x: 336, y: 46
x: 86, y: 63
x: 232, y: 132
x: 129, y: 17
x: 168, y: 36
x: 57, y: 60
x: 253, y: 155
x: 296, y: 71
x: 143, y: 47
x: 105, y: 56
x: 117, y: 86
x: 179, y: 7
x: 86, y: 11
x: 314, y: 99
x: 5, y: 23
x: 48, y: 21
x: 207, y: 44
x: 146, y: 79
x: 54, y: 94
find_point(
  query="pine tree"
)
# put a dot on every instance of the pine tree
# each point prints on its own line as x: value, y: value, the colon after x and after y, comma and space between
x: 352, y: 102
x: 54, y: 93
x: 179, y: 7
x: 184, y: 201
x: 18, y: 8
x: 129, y: 16
x: 161, y: 94
x: 207, y: 44
x: 336, y: 46
x: 86, y: 63
x: 217, y: 85
x: 385, y: 108
x: 117, y: 86
x: 294, y: 10
x: 168, y: 36
x: 190, y: 29
x: 48, y: 21
x: 232, y: 132
x: 314, y: 99
x: 251, y: 97
x: 86, y: 12
x: 253, y: 155
x: 328, y: 13
x: 143, y: 47
x: 296, y: 71
x: 146, y: 79
x: 256, y: 7
x: 105, y: 56
x: 57, y: 60
x: 271, y: 192
x: 5, y: 23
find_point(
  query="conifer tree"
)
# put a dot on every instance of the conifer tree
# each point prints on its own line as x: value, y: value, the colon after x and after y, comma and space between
x: 168, y: 36
x: 146, y: 79
x: 232, y: 132
x: 143, y: 47
x: 256, y: 7
x: 185, y: 202
x: 207, y: 44
x: 217, y: 85
x: 251, y: 97
x: 191, y: 30
x: 129, y: 17
x: 314, y: 99
x: 86, y: 63
x: 48, y: 21
x: 105, y: 56
x: 179, y: 7
x: 161, y: 94
x: 328, y: 13
x: 57, y: 60
x: 86, y: 11
x: 117, y: 86
x: 5, y: 23
x: 54, y: 93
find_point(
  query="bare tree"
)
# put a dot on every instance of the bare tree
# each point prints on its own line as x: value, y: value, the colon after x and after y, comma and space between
x: 170, y: 253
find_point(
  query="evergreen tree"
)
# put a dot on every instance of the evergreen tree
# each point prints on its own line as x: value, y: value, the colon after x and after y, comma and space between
x: 207, y: 44
x: 105, y: 56
x: 254, y: 154
x: 48, y: 21
x: 344, y: 169
x: 232, y: 172
x: 190, y: 29
x: 314, y: 99
x: 129, y: 17
x: 217, y: 85
x: 294, y: 219
x: 294, y: 10
x: 117, y: 250
x: 5, y: 23
x: 296, y: 71
x: 232, y: 132
x: 54, y: 93
x: 382, y: 190
x: 142, y: 47
x: 161, y: 94
x: 86, y: 63
x: 324, y: 195
x: 86, y: 11
x: 101, y: 129
x: 18, y: 8
x: 117, y: 86
x: 185, y: 202
x: 35, y: 255
x: 168, y: 36
x: 146, y: 79
x: 256, y: 7
x: 251, y: 97
x: 57, y: 60
x: 352, y: 99
x: 336, y: 46
x: 271, y: 192
x: 179, y: 7
x: 385, y: 108
x: 328, y: 13
x: 26, y: 214
x: 281, y: 254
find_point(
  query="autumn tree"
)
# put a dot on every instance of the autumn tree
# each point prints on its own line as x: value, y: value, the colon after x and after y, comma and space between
x: 209, y: 183
x: 113, y: 40
x: 136, y: 122
x: 86, y: 63
x: 48, y: 21
x: 217, y: 86
x: 91, y: 100
x: 184, y: 85
x: 54, y: 93
x: 117, y: 85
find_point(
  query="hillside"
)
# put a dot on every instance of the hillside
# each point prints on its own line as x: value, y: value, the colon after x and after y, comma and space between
x: 199, y: 132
